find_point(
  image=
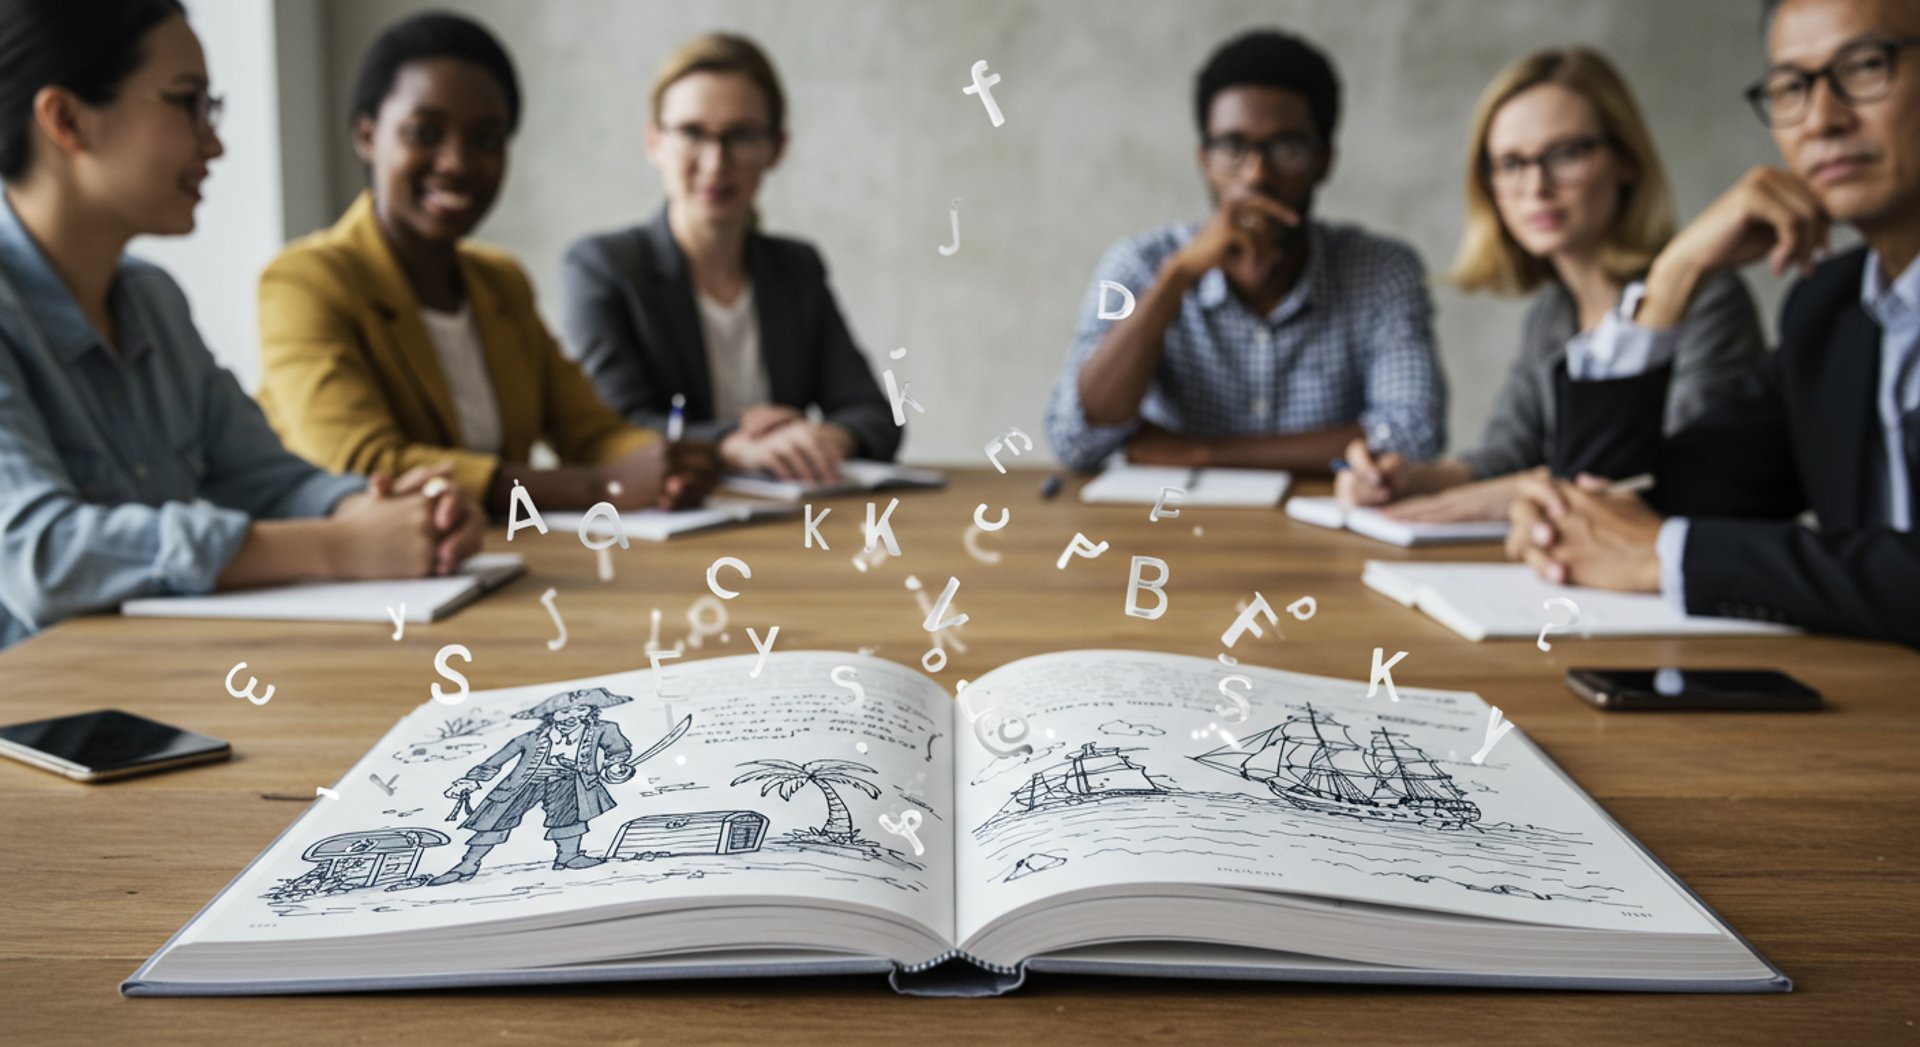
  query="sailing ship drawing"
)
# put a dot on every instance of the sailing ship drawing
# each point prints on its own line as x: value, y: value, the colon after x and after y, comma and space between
x: 1310, y: 761
x: 1093, y: 773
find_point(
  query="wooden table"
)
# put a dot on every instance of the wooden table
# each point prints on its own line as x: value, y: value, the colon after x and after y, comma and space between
x: 1799, y: 829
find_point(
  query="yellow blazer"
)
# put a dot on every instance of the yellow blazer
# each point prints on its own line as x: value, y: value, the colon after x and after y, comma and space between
x: 351, y: 381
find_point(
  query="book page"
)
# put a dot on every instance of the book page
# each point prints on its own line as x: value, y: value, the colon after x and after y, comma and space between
x: 1141, y: 772
x: 741, y: 787
x: 1508, y: 600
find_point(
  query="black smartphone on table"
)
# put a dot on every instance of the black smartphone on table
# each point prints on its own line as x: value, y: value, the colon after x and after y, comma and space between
x: 1697, y: 690
x: 106, y: 744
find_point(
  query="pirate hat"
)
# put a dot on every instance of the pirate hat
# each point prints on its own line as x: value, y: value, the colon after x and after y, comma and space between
x: 597, y: 697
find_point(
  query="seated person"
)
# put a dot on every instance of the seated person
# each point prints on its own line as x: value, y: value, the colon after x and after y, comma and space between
x: 131, y: 464
x: 1262, y: 337
x: 1564, y: 194
x: 1831, y: 422
x: 698, y: 302
x: 390, y: 342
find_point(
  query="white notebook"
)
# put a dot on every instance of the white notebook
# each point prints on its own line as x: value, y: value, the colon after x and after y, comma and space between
x: 856, y: 475
x: 426, y: 599
x: 1374, y: 524
x: 658, y: 525
x: 1123, y: 484
x: 1501, y: 601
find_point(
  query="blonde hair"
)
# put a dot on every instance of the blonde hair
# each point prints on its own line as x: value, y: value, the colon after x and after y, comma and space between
x: 1490, y: 258
x: 724, y: 53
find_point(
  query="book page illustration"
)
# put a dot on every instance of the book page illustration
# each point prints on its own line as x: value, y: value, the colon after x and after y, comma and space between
x: 1320, y: 791
x: 595, y: 792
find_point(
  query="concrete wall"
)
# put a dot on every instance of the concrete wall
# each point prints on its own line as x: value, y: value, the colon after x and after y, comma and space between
x: 1098, y: 143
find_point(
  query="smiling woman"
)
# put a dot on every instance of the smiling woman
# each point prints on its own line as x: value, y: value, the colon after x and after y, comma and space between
x: 392, y: 341
x: 130, y: 463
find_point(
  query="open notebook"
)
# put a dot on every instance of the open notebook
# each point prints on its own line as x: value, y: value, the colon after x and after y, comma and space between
x: 856, y: 475
x: 1502, y: 600
x: 426, y: 599
x: 658, y: 525
x: 1328, y: 512
x: 1089, y: 811
x: 1122, y: 484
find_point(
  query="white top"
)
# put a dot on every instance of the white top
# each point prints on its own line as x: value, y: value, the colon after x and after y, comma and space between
x: 738, y: 375
x: 463, y: 363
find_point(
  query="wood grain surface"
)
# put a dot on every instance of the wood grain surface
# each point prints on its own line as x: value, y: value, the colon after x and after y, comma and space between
x: 1803, y: 830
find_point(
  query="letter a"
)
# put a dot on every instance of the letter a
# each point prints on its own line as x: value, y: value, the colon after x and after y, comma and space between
x: 519, y: 498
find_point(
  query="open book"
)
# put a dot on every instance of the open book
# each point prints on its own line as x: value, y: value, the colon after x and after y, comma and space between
x: 1505, y: 600
x: 1123, y: 484
x: 1091, y: 811
x: 856, y: 475
x: 1374, y: 524
x: 425, y: 599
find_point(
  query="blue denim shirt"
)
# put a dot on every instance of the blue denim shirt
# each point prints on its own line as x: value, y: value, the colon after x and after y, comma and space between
x: 123, y: 474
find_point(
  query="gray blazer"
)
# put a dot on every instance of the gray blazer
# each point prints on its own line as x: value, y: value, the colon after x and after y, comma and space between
x: 632, y: 324
x: 1720, y: 340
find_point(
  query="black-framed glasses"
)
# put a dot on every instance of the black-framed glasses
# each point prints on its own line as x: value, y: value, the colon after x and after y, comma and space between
x: 1861, y: 72
x: 1290, y: 153
x: 1566, y: 164
x: 745, y: 144
x: 203, y: 109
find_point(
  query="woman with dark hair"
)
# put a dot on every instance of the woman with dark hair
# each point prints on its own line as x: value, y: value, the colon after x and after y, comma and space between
x: 699, y: 303
x: 131, y: 464
x: 391, y: 341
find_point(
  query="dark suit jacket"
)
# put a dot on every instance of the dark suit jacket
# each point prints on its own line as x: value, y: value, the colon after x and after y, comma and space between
x: 1802, y: 433
x: 632, y: 323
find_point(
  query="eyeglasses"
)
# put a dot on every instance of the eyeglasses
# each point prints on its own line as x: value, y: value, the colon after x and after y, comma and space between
x: 748, y: 145
x: 1861, y: 72
x: 1566, y: 164
x: 1290, y: 154
x: 203, y: 109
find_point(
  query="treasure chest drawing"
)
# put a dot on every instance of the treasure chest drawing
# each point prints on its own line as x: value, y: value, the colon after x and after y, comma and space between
x: 371, y: 858
x: 700, y: 832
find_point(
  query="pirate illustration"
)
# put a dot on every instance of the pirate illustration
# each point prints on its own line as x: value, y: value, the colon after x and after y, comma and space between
x: 562, y: 764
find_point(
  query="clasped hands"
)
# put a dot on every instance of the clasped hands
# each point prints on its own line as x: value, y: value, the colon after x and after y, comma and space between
x: 1577, y: 534
x: 781, y: 440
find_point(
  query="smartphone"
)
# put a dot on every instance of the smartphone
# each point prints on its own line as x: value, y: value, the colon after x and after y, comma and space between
x: 106, y: 744
x: 1691, y: 689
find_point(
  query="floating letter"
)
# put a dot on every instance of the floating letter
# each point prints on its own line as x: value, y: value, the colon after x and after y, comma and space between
x: 248, y: 693
x: 1157, y: 587
x: 1497, y: 729
x: 515, y: 501
x: 762, y: 648
x: 897, y: 394
x: 1081, y: 545
x: 1160, y: 510
x: 714, y: 569
x: 933, y: 622
x: 813, y: 523
x: 440, y: 659
x: 1383, y: 674
x: 1245, y: 623
x: 561, y: 640
x: 882, y: 530
x: 1126, y: 301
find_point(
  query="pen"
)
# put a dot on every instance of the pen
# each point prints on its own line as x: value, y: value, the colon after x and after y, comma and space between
x: 1631, y: 485
x: 1336, y: 464
x: 1050, y: 486
x: 677, y: 418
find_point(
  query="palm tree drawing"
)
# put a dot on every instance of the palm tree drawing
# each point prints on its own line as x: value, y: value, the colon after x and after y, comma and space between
x: 789, y: 778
